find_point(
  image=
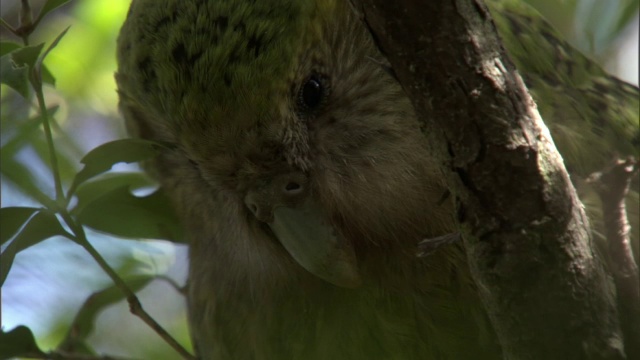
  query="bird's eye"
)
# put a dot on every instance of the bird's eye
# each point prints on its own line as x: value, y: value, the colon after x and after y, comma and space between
x: 312, y: 93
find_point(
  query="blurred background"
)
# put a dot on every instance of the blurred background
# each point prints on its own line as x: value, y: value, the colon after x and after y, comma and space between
x: 49, y: 282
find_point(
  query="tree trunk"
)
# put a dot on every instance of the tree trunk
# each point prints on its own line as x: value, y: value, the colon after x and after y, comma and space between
x: 524, y: 229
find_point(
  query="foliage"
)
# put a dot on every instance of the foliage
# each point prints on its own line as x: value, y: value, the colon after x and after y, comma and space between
x: 88, y: 198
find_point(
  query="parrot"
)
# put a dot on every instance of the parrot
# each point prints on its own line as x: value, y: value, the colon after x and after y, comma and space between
x: 304, y: 184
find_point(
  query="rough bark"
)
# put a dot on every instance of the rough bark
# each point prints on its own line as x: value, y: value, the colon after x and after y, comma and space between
x: 524, y: 229
x: 613, y: 186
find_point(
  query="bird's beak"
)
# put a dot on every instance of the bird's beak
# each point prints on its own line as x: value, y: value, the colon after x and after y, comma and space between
x: 315, y: 245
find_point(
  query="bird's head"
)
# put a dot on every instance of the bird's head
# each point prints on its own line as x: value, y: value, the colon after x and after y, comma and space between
x: 287, y: 107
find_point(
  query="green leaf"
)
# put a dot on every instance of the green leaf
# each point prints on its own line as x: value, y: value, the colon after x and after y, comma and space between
x: 120, y: 213
x: 7, y: 47
x: 19, y: 342
x: 21, y: 177
x: 16, y: 77
x: 18, y: 135
x: 102, y: 158
x: 15, y: 67
x: 48, y: 7
x: 12, y: 219
x: 84, y: 321
x: 41, y: 226
x: 25, y: 132
x: 27, y: 55
x: 629, y: 12
x: 95, y: 188
x: 53, y: 44
x: 47, y: 76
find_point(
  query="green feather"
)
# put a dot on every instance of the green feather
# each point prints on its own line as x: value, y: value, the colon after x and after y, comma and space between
x: 592, y: 115
x: 180, y: 54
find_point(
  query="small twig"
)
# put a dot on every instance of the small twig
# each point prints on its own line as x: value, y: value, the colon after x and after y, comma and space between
x: 136, y: 308
x: 7, y: 26
x: 134, y: 304
x: 612, y: 185
x: 26, y: 16
x: 49, y: 136
x: 36, y: 82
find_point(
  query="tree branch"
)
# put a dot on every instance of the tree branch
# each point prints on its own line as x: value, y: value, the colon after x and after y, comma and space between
x: 524, y: 229
x: 613, y: 186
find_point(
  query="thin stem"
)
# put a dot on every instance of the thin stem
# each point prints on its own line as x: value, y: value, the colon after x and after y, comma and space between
x: 36, y: 83
x: 4, y: 23
x: 25, y: 27
x: 26, y: 15
x: 134, y: 304
x: 37, y: 86
x: 613, y: 185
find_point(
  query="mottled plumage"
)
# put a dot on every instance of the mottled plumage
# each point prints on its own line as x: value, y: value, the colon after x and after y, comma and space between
x: 233, y: 85
x: 592, y: 115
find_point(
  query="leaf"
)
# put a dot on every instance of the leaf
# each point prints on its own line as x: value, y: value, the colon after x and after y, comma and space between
x: 18, y: 342
x: 48, y: 7
x: 95, y: 188
x: 27, y: 55
x: 47, y: 76
x: 120, y: 213
x: 15, y: 68
x: 12, y: 219
x: 41, y: 226
x: 53, y: 44
x: 7, y: 47
x: 25, y: 132
x: 629, y: 12
x: 103, y: 157
x: 84, y: 321
x: 22, y: 178
x: 16, y: 77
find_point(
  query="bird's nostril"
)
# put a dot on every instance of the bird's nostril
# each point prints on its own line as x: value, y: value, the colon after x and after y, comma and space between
x: 292, y: 188
x: 253, y: 207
